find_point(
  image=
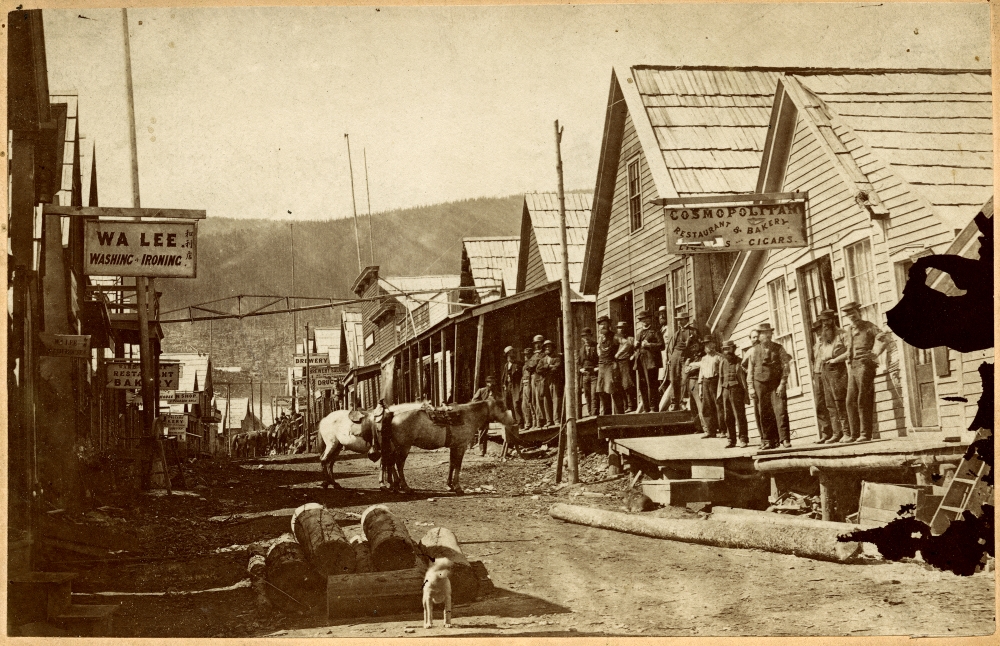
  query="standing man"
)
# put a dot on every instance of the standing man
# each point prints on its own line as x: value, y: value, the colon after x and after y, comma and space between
x: 537, y: 382
x: 862, y: 359
x: 551, y: 367
x: 608, y: 382
x: 587, y: 361
x: 626, y: 347
x: 527, y: 406
x: 748, y: 368
x: 510, y: 384
x: 709, y: 368
x: 770, y: 378
x: 831, y: 349
x: 647, y: 360
x: 691, y: 369
x: 682, y: 349
x: 822, y: 413
x: 663, y: 320
x: 481, y: 395
x: 732, y: 392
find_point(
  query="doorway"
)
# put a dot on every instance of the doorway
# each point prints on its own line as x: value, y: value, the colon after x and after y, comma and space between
x: 621, y: 309
x: 919, y: 370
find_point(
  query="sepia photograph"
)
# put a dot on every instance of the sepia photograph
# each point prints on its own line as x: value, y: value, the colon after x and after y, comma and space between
x: 497, y: 322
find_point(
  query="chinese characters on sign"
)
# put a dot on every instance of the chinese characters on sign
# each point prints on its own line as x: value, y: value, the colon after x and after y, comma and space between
x: 140, y: 248
x: 729, y: 223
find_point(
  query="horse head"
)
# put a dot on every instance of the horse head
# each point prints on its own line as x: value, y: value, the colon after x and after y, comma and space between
x: 498, y: 411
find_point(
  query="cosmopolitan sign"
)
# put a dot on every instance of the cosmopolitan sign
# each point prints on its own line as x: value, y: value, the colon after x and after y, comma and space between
x: 114, y: 248
x: 727, y: 223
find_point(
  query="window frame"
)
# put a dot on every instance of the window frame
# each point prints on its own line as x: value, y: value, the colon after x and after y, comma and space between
x: 679, y: 269
x: 784, y: 329
x: 869, y: 310
x: 634, y: 198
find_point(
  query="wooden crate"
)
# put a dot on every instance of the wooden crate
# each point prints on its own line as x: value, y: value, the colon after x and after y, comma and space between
x: 880, y: 502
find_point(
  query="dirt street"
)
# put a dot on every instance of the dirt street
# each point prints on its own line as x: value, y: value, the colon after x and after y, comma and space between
x: 177, y: 573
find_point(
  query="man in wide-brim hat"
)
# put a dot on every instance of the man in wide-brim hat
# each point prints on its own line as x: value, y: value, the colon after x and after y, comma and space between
x: 623, y: 356
x: 647, y: 361
x: 528, y: 411
x: 586, y: 363
x: 510, y: 388
x: 551, y: 368
x: 537, y: 382
x: 865, y: 341
x: 768, y: 371
x: 684, y: 345
x: 607, y: 388
x: 732, y: 394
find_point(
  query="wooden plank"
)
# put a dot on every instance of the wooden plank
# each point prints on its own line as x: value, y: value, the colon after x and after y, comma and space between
x: 479, y: 352
x: 115, y: 212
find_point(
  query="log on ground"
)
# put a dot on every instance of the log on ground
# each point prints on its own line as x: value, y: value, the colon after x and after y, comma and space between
x: 316, y: 529
x: 810, y: 542
x: 293, y: 585
x: 375, y: 594
x: 728, y: 513
x: 390, y: 544
x: 362, y: 555
x: 441, y: 542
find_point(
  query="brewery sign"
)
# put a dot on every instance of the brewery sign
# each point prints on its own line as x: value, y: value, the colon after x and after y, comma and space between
x: 116, y: 248
x: 727, y: 223
x: 127, y: 375
x: 65, y: 345
x: 317, y: 359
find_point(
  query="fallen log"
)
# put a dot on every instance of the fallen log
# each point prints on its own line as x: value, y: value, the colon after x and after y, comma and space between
x: 316, y: 529
x: 390, y: 544
x: 375, y: 594
x: 362, y: 555
x: 441, y: 542
x: 810, y: 542
x: 292, y: 584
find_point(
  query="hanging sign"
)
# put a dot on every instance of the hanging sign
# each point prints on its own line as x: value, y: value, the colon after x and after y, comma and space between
x: 179, y: 397
x: 65, y: 345
x: 174, y: 423
x: 127, y: 375
x: 284, y: 401
x: 316, y: 359
x: 726, y: 223
x: 140, y: 248
x: 333, y: 369
x: 325, y: 383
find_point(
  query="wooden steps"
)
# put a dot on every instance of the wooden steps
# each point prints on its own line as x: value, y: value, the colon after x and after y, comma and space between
x: 37, y: 599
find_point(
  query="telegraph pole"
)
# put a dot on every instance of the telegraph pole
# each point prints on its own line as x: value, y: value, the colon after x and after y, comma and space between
x: 368, y: 201
x: 354, y: 204
x: 308, y: 392
x: 569, y: 357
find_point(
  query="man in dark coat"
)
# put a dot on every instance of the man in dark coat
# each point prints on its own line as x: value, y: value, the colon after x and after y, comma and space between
x: 732, y: 393
x: 608, y: 387
x: 537, y: 383
x: 481, y: 395
x: 647, y: 361
x: 510, y: 384
x: 553, y: 382
x: 769, y: 366
x: 684, y: 346
x: 623, y: 356
x: 831, y: 356
x: 528, y: 411
x: 586, y: 361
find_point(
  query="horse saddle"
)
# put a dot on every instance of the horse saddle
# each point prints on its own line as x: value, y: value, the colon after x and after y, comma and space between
x: 444, y: 416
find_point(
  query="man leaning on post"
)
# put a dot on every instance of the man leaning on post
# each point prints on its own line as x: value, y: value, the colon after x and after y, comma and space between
x: 865, y: 342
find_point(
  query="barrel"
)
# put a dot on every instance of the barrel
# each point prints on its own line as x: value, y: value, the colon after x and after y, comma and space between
x: 390, y: 544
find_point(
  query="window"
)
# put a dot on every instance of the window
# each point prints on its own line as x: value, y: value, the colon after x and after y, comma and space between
x: 861, y: 278
x: 369, y: 340
x: 781, y: 319
x: 634, y: 196
x: 817, y: 294
x: 678, y: 290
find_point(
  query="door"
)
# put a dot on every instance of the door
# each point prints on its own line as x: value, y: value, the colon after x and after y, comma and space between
x: 816, y: 280
x: 621, y: 309
x: 920, y: 370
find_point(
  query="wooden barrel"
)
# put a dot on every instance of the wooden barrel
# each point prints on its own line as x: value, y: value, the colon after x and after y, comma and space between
x: 293, y: 584
x: 316, y: 529
x: 390, y: 544
x: 362, y: 555
x: 441, y: 542
x: 375, y: 594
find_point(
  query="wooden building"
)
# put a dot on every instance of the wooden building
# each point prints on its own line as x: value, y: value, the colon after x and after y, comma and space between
x: 895, y: 164
x: 195, y: 377
x: 490, y: 265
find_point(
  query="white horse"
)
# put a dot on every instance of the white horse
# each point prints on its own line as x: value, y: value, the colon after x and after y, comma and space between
x: 410, y: 426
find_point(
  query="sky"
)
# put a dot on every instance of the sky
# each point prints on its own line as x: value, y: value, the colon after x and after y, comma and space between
x: 243, y: 111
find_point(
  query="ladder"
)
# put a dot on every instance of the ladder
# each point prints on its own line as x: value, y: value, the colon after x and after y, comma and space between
x: 966, y: 491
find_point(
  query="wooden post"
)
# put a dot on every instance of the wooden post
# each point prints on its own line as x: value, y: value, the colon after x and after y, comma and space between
x: 433, y: 371
x: 479, y: 352
x: 454, y: 377
x: 420, y: 373
x: 446, y: 370
x: 571, y: 401
x: 308, y: 389
x: 824, y: 491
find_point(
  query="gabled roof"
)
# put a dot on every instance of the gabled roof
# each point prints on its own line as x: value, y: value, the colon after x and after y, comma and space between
x: 194, y: 369
x: 493, y: 263
x: 541, y: 217
x: 426, y: 286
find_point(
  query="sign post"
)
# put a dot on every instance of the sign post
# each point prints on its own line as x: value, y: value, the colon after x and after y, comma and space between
x: 727, y: 223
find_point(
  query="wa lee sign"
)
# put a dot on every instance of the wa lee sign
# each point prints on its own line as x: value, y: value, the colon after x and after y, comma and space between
x: 158, y: 249
x: 725, y: 223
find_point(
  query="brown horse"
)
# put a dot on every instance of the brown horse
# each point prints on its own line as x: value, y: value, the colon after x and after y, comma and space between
x: 412, y: 426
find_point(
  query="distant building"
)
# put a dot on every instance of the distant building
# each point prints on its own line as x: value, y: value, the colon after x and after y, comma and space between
x: 490, y: 265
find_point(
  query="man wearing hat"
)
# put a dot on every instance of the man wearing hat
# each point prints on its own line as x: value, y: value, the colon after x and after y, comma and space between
x: 553, y: 382
x: 647, y: 361
x: 769, y: 365
x: 510, y: 384
x: 732, y: 393
x: 527, y: 404
x: 607, y: 386
x: 682, y: 349
x: 586, y: 361
x: 537, y: 382
x: 709, y: 367
x: 830, y: 362
x: 819, y: 400
x: 481, y: 395
x: 623, y: 356
x: 864, y: 343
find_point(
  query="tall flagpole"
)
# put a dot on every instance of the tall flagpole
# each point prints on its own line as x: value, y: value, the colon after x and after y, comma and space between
x: 368, y: 197
x: 571, y: 396
x: 357, y: 239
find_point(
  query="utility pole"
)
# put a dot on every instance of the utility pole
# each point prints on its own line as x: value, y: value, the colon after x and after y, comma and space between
x: 368, y: 200
x: 261, y: 404
x: 308, y: 392
x: 569, y: 357
x: 354, y: 204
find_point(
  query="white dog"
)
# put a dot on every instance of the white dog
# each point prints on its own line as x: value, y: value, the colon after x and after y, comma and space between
x: 437, y: 590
